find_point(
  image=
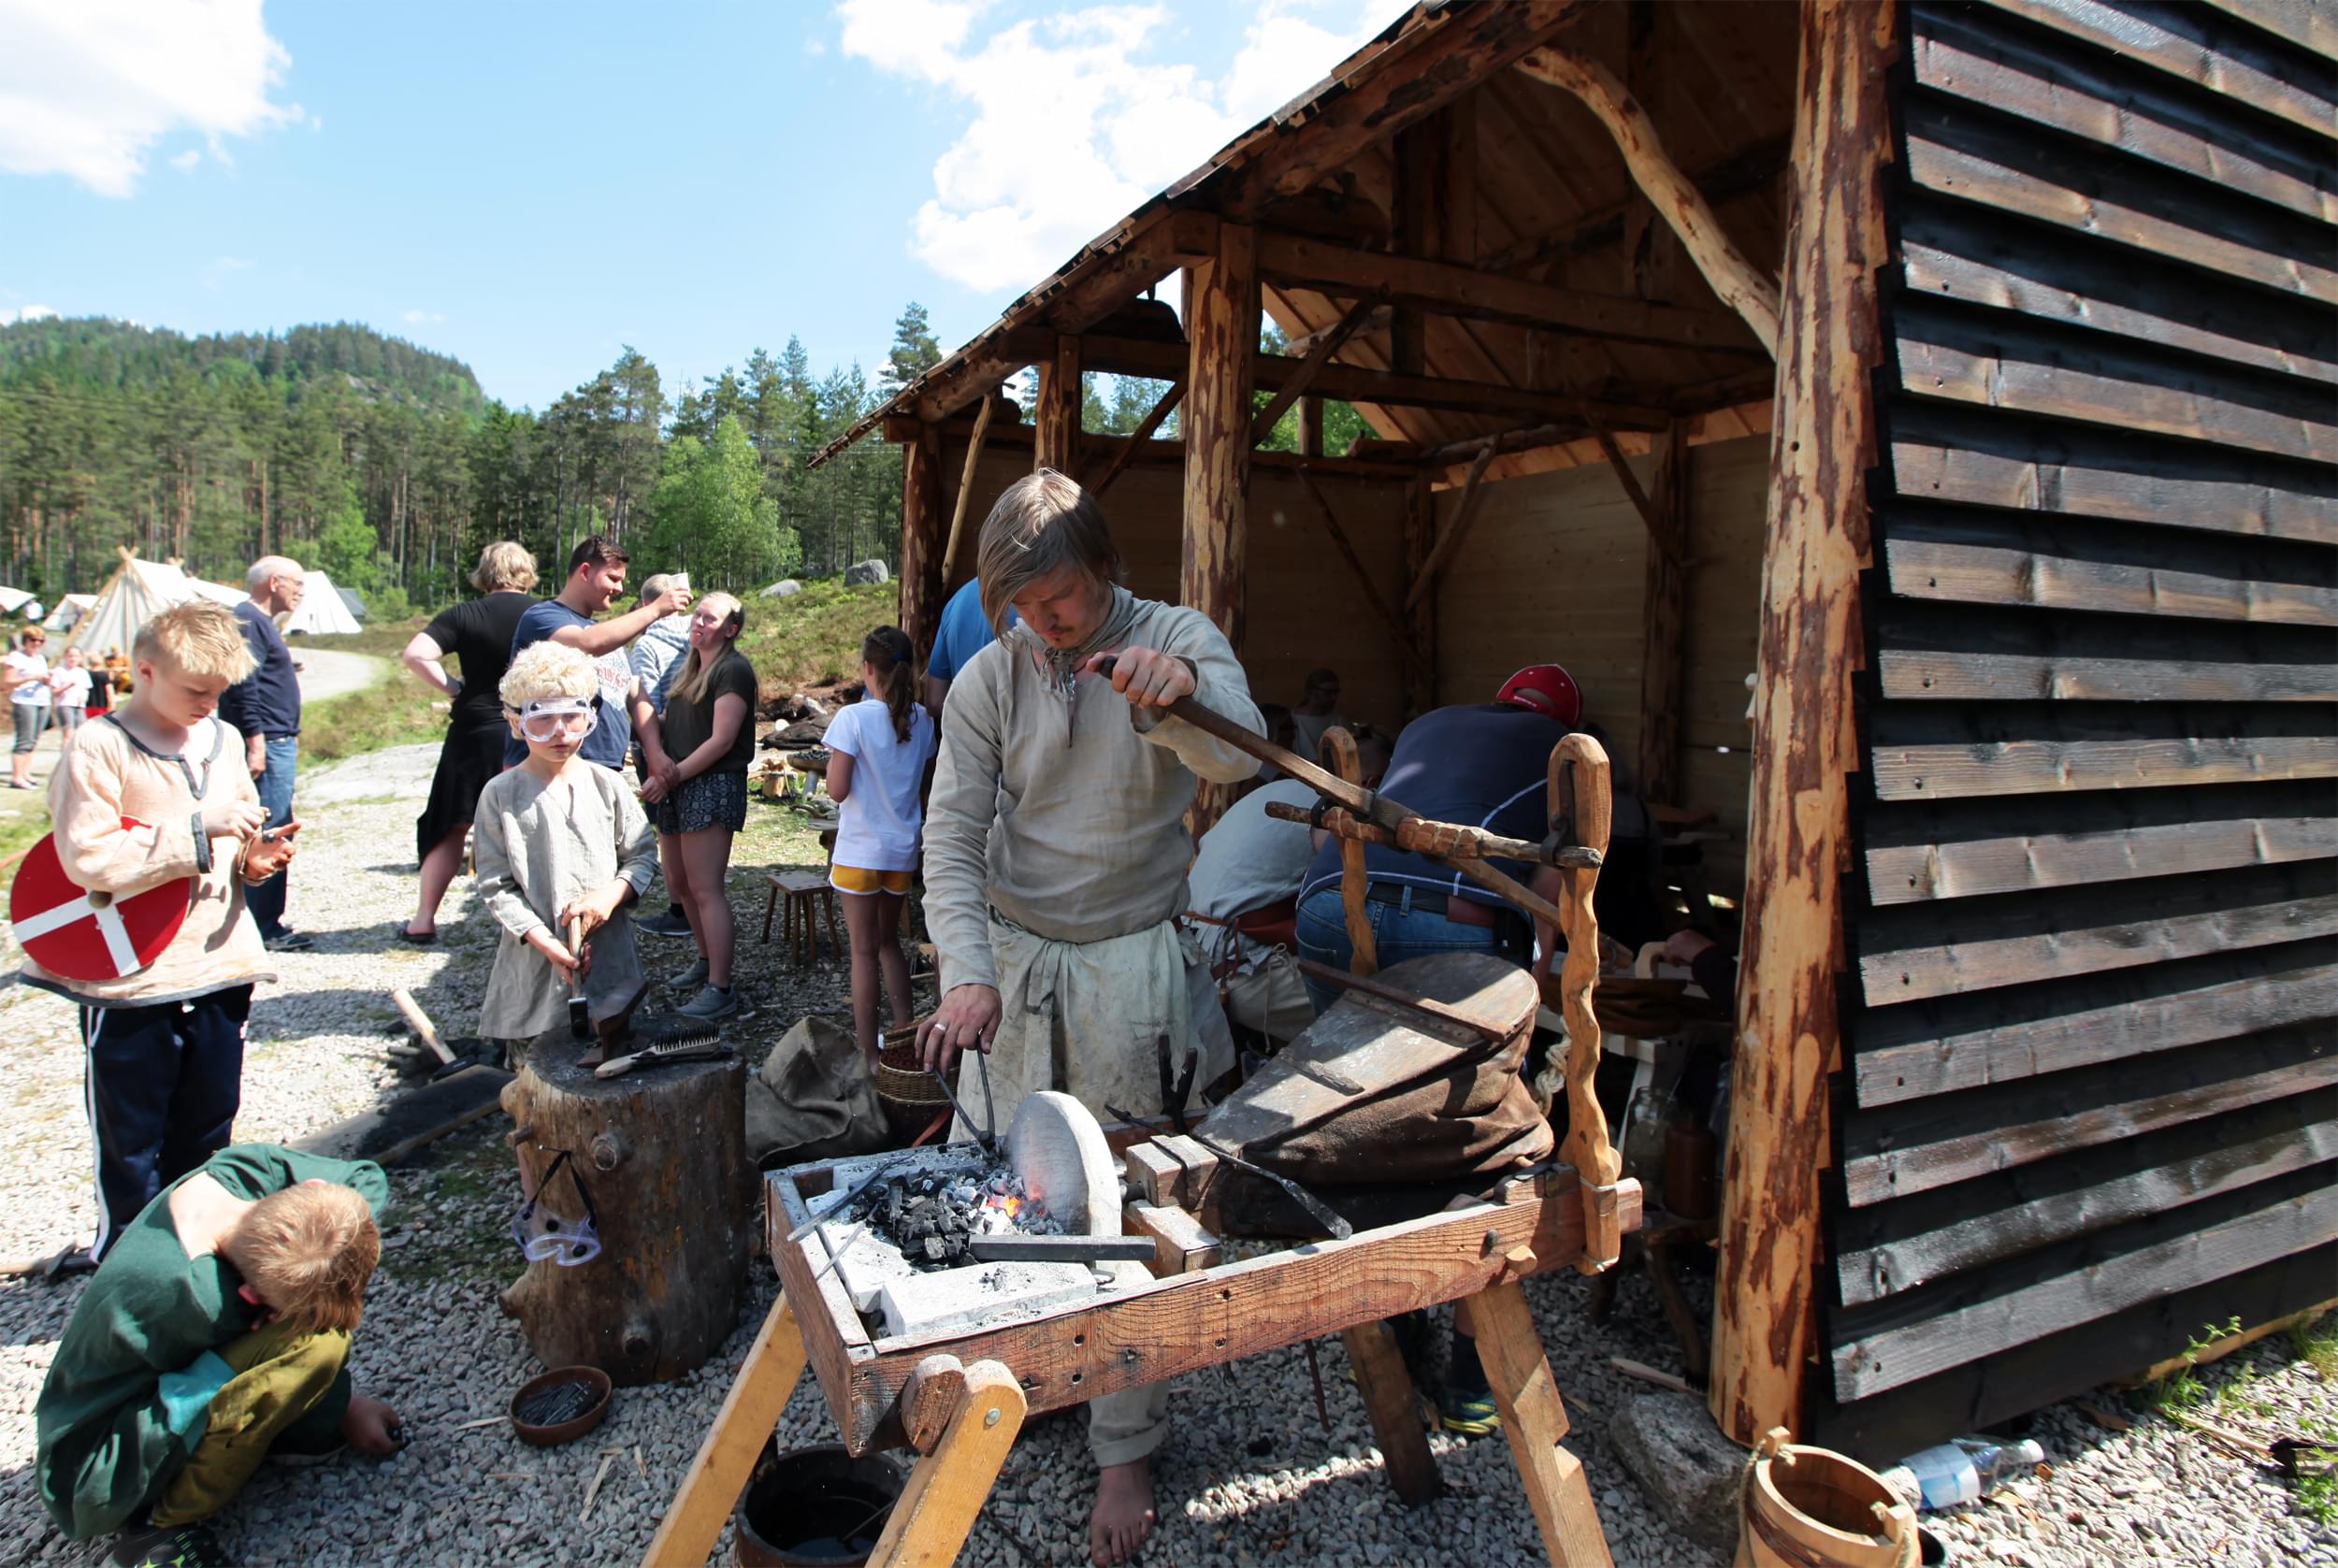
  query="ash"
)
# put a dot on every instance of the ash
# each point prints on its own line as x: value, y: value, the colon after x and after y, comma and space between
x: 932, y: 1220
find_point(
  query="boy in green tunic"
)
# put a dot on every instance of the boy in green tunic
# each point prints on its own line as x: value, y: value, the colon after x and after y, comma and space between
x: 217, y: 1329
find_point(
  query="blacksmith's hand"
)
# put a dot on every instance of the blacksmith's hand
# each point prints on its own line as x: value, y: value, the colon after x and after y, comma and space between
x: 556, y: 953
x: 1147, y: 677
x: 967, y: 1020
x: 593, y: 910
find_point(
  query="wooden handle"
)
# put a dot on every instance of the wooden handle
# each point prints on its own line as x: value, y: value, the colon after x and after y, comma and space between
x: 1249, y: 740
x: 419, y: 1021
x: 1577, y: 789
x: 1354, y: 884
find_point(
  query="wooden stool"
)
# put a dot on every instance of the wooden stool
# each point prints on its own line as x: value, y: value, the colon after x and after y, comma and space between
x: 808, y: 894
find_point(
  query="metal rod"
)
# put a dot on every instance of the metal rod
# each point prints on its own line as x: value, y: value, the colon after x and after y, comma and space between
x: 982, y: 1136
x: 1060, y: 1249
x: 863, y: 1184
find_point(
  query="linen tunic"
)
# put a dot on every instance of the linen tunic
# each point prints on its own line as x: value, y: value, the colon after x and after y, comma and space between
x: 539, y: 845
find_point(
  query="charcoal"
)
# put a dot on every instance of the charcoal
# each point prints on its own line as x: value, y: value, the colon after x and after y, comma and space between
x: 933, y: 1220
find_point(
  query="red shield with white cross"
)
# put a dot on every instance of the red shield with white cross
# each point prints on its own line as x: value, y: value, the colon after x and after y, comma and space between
x: 79, y: 935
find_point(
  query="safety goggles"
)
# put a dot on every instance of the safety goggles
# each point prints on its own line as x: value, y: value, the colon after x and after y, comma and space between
x: 544, y: 1236
x: 549, y: 718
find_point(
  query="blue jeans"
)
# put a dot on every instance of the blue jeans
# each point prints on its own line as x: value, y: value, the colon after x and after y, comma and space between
x: 163, y: 1082
x: 267, y: 900
x: 1399, y: 931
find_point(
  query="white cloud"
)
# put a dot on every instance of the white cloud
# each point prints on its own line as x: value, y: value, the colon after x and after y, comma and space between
x: 222, y: 267
x: 420, y: 318
x: 186, y: 160
x: 1080, y: 117
x: 88, y: 86
x: 29, y: 313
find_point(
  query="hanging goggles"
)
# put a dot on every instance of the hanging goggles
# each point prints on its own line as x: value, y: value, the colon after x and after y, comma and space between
x: 548, y: 718
x: 545, y: 1237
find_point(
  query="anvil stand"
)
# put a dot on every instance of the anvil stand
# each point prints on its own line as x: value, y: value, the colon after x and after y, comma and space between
x: 960, y: 1397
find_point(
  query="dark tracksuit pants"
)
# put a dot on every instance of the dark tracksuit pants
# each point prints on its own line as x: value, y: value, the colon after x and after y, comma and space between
x: 163, y: 1083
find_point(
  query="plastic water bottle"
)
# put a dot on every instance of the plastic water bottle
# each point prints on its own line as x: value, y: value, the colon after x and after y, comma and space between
x: 1962, y: 1470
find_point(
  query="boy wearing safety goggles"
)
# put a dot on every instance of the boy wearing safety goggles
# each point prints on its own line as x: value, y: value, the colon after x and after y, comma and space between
x: 563, y: 850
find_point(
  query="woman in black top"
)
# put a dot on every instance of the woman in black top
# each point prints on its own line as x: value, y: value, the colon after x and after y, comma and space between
x: 478, y: 634
x: 698, y: 753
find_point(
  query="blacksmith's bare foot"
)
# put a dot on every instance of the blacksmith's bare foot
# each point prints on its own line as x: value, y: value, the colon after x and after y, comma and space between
x: 1124, y: 1512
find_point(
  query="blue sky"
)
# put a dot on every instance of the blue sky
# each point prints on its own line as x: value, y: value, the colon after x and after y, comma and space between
x: 529, y: 186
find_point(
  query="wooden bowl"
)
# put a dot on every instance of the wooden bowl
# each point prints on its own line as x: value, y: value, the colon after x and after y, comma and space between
x: 561, y: 1431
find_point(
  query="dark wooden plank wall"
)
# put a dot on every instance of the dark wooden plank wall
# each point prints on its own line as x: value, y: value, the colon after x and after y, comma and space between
x: 2091, y: 1089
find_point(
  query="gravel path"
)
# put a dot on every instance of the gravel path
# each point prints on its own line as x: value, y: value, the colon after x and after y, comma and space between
x: 1248, y: 1476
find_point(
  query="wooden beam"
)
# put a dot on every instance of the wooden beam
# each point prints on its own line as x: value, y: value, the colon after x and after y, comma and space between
x: 1164, y: 243
x: 1375, y: 320
x: 1450, y: 289
x: 1326, y: 344
x: 1056, y: 418
x: 1156, y: 453
x: 1463, y: 514
x: 1137, y: 439
x: 1805, y: 738
x: 1419, y: 539
x: 1222, y: 347
x: 1741, y: 285
x: 1310, y: 427
x: 965, y: 488
x: 1405, y: 648
x: 922, y: 536
x: 1664, y: 613
x: 1450, y: 51
x: 1157, y: 361
x: 1750, y: 168
x: 1658, y: 532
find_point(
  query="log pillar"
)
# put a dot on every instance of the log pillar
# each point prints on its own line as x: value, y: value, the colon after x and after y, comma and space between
x: 922, y: 524
x: 1805, y: 746
x: 1221, y: 329
x: 1055, y: 423
x: 1664, y: 647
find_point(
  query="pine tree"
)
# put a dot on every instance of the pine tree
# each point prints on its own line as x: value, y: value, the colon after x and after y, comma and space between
x: 914, y: 352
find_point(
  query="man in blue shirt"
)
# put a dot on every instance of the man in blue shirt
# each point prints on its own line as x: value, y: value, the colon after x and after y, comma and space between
x: 264, y: 708
x: 961, y: 635
x: 596, y: 578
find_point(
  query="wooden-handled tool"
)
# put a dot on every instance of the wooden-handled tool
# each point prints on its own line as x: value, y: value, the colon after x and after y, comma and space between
x: 419, y: 1021
x: 1369, y: 804
x: 579, y: 1011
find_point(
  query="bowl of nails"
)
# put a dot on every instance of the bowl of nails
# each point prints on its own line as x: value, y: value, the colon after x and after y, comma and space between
x: 560, y: 1407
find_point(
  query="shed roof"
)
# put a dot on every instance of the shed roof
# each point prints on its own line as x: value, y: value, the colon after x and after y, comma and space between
x: 1518, y: 180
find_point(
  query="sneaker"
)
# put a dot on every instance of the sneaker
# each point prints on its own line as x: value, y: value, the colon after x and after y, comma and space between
x: 670, y: 923
x: 711, y: 1002
x: 290, y: 940
x: 690, y: 979
x: 1468, y: 1414
x: 185, y: 1545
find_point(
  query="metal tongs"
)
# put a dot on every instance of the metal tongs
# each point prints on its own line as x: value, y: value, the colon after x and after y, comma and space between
x: 989, y: 1136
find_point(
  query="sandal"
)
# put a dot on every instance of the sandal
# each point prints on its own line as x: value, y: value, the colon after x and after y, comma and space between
x: 418, y: 939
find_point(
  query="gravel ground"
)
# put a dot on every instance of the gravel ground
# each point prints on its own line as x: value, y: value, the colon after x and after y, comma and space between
x: 1248, y: 1474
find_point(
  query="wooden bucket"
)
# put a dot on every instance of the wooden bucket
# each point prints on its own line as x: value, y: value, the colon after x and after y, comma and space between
x: 1806, y: 1507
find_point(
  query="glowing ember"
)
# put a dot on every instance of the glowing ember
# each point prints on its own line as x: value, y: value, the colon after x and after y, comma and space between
x: 932, y: 1219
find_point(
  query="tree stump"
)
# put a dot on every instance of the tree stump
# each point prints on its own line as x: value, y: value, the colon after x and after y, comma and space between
x: 663, y: 1154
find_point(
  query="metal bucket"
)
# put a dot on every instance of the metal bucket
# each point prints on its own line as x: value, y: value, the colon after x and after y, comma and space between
x: 817, y: 1508
x: 1814, y: 1509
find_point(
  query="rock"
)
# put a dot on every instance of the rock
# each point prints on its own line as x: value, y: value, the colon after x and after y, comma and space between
x: 1689, y: 1472
x: 861, y: 573
x: 785, y: 588
x: 800, y: 705
x: 803, y: 732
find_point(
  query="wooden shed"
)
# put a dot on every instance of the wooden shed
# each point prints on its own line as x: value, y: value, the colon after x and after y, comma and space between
x: 1961, y: 373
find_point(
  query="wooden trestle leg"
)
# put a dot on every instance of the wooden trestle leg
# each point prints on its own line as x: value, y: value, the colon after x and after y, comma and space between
x: 1534, y: 1419
x: 947, y: 1490
x: 1395, y: 1411
x: 750, y: 1414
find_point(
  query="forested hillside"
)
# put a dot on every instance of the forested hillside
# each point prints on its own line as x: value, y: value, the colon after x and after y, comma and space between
x: 383, y: 464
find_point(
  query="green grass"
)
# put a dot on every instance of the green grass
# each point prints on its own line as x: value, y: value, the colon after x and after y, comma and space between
x: 813, y: 639
x: 398, y: 710
x: 2182, y: 1388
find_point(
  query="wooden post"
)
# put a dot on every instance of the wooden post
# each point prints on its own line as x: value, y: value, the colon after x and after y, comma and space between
x: 921, y: 537
x: 1056, y: 421
x: 1310, y: 427
x: 1805, y: 747
x: 1664, y: 609
x: 726, y: 1458
x: 1419, y: 613
x: 1221, y: 331
x: 966, y: 487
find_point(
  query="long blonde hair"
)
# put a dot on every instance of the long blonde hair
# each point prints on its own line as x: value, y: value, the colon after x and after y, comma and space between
x: 698, y: 674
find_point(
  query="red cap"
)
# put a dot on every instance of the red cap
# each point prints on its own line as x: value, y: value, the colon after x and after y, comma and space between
x: 1547, y: 690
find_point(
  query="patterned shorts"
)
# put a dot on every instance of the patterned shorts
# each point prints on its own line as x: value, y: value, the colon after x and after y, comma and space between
x: 709, y: 801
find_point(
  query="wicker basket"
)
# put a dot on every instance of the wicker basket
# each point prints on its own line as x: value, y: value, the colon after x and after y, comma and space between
x: 911, y: 1096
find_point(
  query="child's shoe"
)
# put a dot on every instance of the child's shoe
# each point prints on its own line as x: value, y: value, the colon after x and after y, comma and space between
x: 184, y: 1545
x: 712, y: 1002
x: 690, y: 980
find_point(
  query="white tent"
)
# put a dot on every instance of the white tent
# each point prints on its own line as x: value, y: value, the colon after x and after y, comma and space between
x: 321, y: 611
x: 12, y: 598
x: 218, y: 593
x: 140, y: 590
x: 69, y: 611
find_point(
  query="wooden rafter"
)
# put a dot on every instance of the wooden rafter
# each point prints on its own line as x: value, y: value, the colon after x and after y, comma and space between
x: 1326, y: 344
x: 1742, y: 286
x: 1450, y: 540
x: 1658, y: 533
x: 966, y: 485
x: 1450, y: 289
x: 1743, y: 172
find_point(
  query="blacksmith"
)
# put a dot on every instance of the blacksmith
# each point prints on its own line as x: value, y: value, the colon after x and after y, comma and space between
x: 1055, y: 858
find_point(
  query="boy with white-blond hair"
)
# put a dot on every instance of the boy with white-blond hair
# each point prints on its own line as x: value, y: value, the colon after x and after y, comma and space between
x: 153, y: 793
x: 218, y: 1332
x: 563, y: 849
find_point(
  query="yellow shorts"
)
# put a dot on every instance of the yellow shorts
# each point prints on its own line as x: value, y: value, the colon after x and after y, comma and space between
x: 853, y: 878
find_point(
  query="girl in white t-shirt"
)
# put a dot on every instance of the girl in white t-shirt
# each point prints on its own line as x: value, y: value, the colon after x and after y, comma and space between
x: 71, y: 683
x: 879, y: 750
x: 30, y: 686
